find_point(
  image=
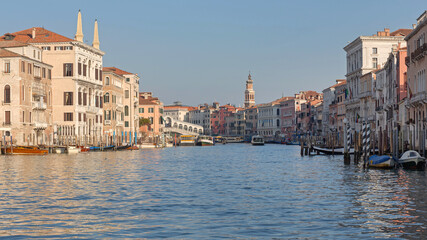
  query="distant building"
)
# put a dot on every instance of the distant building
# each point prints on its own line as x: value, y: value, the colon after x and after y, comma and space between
x: 249, y: 93
x: 150, y: 108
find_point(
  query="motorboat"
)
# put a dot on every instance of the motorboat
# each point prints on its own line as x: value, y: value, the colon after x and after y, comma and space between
x: 72, y: 149
x: 187, y: 140
x: 383, y: 161
x: 257, y: 140
x: 204, y: 140
x: 412, y: 160
x: 24, y: 150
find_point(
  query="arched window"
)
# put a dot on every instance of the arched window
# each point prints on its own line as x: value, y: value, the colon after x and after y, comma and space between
x: 126, y: 111
x: 106, y: 98
x: 278, y: 122
x: 107, y: 80
x: 7, y: 94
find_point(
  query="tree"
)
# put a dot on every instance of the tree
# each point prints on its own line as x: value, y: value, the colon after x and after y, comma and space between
x: 144, y: 122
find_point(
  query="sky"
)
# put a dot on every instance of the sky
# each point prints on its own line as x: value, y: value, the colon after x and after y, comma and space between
x: 198, y: 52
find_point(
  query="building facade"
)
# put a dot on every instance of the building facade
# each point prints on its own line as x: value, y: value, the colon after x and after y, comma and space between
x: 26, y: 99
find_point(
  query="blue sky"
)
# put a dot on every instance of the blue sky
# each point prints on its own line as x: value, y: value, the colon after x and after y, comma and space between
x: 199, y: 51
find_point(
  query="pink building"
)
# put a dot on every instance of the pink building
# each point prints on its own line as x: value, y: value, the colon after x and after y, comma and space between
x: 150, y: 108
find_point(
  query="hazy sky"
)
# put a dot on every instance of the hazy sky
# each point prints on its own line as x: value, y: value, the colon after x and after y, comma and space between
x: 200, y: 51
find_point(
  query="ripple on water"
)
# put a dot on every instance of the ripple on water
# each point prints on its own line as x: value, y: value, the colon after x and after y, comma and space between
x: 225, y: 191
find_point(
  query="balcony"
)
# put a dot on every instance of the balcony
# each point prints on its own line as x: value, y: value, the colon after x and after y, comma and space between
x: 7, y: 123
x: 419, y: 53
x: 39, y: 105
x: 379, y: 108
x: 107, y: 122
x: 40, y: 125
x: 407, y: 61
x: 92, y: 109
x: 418, y: 98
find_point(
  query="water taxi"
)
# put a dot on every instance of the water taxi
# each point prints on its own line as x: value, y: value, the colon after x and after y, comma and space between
x: 233, y: 139
x: 204, y: 140
x: 257, y: 140
x: 187, y: 140
x: 24, y: 150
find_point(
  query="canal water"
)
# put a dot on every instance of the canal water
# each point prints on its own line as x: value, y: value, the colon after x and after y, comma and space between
x: 225, y: 191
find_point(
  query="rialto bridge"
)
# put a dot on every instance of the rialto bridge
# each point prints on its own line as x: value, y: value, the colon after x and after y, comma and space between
x: 183, y: 128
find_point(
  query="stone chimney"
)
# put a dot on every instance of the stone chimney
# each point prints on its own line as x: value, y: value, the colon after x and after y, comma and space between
x: 414, y: 26
x: 387, y: 32
x: 33, y: 34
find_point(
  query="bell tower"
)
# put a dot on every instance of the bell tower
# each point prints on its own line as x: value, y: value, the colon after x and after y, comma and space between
x: 249, y: 92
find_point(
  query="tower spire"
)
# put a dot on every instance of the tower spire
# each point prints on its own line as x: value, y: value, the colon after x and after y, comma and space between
x: 95, y: 42
x: 79, y: 32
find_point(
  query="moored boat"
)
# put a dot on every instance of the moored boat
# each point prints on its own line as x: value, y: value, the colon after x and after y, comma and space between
x: 412, y: 160
x: 204, y: 140
x: 123, y: 147
x: 24, y: 150
x: 330, y: 151
x: 383, y: 161
x: 187, y: 140
x: 134, y: 147
x: 257, y: 140
x: 72, y: 149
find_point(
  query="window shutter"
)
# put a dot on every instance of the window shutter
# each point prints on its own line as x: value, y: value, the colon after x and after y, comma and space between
x: 72, y: 69
x: 65, y: 98
x: 100, y: 74
x: 65, y: 70
x: 65, y: 116
x: 80, y: 68
x: 96, y: 74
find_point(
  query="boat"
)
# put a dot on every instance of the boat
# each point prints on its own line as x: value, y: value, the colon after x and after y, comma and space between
x: 292, y: 143
x: 335, y: 151
x: 218, y: 139
x: 24, y: 150
x: 60, y: 150
x: 233, y: 139
x: 123, y: 147
x: 187, y: 140
x: 83, y: 149
x: 257, y: 140
x: 108, y: 148
x: 134, y: 147
x: 412, y: 160
x: 383, y: 161
x: 72, y: 149
x: 204, y: 140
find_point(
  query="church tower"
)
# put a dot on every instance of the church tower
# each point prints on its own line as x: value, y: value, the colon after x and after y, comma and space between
x: 249, y: 92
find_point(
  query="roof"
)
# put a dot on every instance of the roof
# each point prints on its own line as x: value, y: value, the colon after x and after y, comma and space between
x: 115, y: 70
x: 277, y: 101
x: 314, y: 102
x: 401, y: 32
x: 339, y: 84
x: 7, y: 53
x: 12, y: 43
x: 149, y: 101
x: 42, y: 36
x: 173, y: 107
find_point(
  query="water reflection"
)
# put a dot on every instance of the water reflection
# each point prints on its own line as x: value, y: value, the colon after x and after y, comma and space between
x: 225, y: 191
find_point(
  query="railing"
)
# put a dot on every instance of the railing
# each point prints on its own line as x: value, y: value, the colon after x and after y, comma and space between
x: 7, y: 123
x: 39, y: 105
x: 40, y: 125
x: 379, y: 108
x: 419, y: 52
x: 107, y: 122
